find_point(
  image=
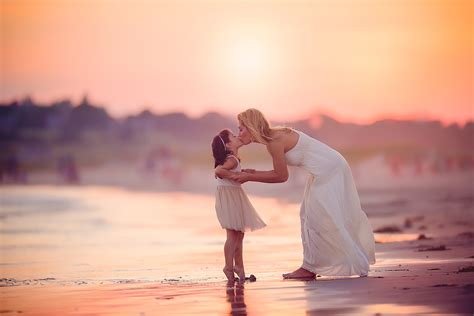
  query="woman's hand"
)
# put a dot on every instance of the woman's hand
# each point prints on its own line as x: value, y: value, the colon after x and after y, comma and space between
x: 240, y: 177
x: 248, y: 170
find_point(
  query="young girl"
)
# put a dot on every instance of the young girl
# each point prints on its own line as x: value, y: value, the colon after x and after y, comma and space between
x: 233, y: 208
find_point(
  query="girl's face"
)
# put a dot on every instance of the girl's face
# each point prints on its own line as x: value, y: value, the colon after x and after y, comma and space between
x: 234, y: 142
x: 244, y: 134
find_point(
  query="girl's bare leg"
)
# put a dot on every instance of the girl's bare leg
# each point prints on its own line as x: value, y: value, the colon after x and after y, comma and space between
x: 229, y: 250
x: 238, y: 257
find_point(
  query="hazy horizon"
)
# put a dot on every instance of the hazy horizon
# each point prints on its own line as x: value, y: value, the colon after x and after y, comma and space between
x: 313, y: 117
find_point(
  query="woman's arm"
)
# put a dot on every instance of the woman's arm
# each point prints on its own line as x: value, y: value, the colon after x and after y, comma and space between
x: 277, y: 175
x: 223, y: 171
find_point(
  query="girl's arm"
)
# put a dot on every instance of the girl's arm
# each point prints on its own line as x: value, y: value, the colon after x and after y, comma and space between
x: 277, y: 175
x: 222, y: 171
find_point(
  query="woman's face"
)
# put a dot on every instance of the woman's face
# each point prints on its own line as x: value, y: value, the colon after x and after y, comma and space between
x: 244, y: 134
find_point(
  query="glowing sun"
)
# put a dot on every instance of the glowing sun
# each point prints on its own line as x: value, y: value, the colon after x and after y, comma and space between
x: 247, y: 58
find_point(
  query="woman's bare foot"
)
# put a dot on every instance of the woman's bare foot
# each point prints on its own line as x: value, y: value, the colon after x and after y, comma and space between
x: 240, y: 273
x: 229, y: 274
x: 300, y: 274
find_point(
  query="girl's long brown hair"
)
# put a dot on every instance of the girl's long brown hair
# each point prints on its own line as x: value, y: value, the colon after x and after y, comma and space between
x: 219, y: 150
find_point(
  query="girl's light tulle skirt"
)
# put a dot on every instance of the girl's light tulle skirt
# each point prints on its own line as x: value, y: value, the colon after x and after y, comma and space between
x: 234, y: 210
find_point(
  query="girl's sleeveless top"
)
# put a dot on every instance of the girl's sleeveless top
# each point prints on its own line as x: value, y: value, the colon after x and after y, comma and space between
x: 228, y: 182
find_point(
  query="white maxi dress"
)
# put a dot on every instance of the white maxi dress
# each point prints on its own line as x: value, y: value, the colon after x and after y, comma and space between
x: 337, y: 237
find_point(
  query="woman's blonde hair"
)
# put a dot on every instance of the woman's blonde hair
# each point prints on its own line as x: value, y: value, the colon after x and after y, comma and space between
x: 258, y: 126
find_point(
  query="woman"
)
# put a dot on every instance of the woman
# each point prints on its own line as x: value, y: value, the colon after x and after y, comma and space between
x: 337, y: 236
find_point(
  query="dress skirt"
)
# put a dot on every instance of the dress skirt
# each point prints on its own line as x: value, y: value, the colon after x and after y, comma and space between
x: 234, y: 210
x: 337, y: 236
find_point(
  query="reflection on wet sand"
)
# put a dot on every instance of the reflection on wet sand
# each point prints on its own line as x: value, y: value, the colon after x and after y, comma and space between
x: 235, y: 297
x: 386, y: 238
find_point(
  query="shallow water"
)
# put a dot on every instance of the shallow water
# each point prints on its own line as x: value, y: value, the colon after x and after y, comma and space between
x: 107, y: 233
x: 103, y: 233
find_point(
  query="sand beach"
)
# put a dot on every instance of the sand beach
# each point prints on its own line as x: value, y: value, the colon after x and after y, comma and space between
x: 98, y: 250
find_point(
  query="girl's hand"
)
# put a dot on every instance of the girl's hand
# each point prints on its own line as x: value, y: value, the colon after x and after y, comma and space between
x: 248, y: 170
x: 241, y: 177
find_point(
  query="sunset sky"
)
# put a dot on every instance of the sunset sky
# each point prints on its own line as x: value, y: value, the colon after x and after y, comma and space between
x: 355, y: 60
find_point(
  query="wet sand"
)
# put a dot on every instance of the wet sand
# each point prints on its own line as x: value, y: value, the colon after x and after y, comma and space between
x: 85, y: 250
x: 410, y: 288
